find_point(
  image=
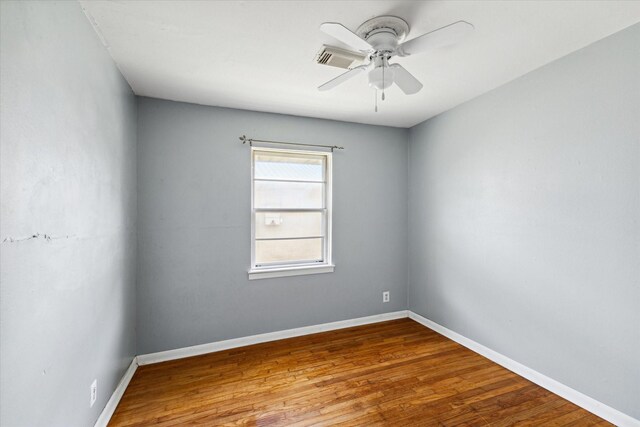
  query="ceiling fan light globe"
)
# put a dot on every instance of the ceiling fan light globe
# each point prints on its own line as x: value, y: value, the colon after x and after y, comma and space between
x: 378, y: 81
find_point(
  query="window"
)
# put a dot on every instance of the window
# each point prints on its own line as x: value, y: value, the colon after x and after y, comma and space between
x: 291, y: 212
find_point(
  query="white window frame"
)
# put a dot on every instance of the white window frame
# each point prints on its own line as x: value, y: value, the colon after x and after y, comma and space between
x: 294, y: 268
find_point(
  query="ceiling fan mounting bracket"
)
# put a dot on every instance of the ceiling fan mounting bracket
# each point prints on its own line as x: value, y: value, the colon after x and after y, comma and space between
x: 398, y: 27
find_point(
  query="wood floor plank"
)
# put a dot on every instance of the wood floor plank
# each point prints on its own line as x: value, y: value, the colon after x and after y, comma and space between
x: 396, y: 373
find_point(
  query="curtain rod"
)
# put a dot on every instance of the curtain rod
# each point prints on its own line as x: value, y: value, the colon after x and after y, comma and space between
x: 244, y: 139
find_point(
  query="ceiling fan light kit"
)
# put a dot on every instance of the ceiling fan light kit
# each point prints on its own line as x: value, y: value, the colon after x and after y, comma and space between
x: 381, y: 38
x: 381, y: 77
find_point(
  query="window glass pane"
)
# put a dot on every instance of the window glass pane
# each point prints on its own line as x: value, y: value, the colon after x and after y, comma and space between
x: 271, y: 251
x: 297, y: 167
x: 300, y: 195
x: 288, y: 224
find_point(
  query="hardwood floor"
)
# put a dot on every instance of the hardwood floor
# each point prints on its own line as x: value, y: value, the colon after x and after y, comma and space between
x: 395, y: 373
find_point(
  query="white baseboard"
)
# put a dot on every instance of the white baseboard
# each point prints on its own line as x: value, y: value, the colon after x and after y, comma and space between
x: 196, y: 350
x: 606, y: 412
x: 598, y: 408
x: 112, y: 404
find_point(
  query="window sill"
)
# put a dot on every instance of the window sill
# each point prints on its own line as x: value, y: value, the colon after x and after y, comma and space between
x: 268, y: 273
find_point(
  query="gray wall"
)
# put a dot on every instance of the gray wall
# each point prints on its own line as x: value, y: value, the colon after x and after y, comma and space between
x: 68, y: 159
x: 524, y: 213
x: 524, y: 220
x: 194, y: 216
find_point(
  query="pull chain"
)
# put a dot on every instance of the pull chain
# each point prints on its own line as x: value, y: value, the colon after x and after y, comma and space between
x: 383, y: 78
x: 376, y: 103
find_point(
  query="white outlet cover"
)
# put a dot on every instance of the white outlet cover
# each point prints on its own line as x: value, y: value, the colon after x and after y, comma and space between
x: 385, y: 296
x: 94, y: 392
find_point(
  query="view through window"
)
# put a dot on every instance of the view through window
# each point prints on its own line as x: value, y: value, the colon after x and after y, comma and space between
x: 291, y: 208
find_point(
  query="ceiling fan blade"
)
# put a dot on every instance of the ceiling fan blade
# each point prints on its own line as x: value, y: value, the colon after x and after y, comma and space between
x: 445, y: 36
x: 342, y: 78
x: 405, y: 80
x: 346, y: 36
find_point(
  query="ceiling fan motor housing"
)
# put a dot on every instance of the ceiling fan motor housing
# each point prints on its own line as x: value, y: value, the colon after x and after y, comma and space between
x: 383, y: 40
x: 384, y: 33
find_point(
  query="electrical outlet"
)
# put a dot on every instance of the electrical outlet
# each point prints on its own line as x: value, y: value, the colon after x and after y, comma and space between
x: 385, y: 296
x: 94, y: 392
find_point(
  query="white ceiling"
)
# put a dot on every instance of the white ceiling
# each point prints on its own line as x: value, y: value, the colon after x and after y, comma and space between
x: 260, y: 55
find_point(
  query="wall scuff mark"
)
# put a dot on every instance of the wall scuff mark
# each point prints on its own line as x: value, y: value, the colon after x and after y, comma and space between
x: 45, y: 237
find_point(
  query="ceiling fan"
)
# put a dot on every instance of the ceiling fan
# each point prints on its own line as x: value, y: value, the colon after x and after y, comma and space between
x: 381, y: 38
